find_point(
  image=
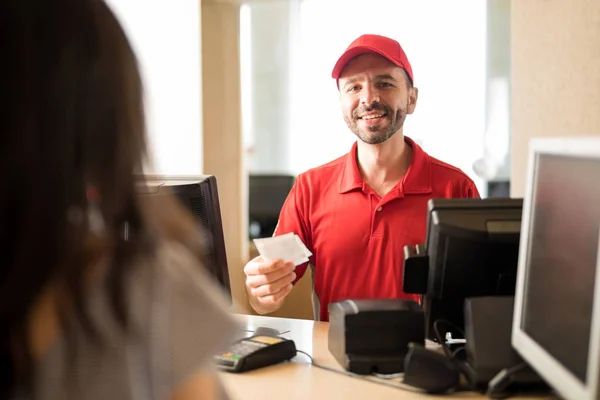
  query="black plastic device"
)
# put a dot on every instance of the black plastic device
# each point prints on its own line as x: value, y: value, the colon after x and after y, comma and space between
x: 200, y: 196
x: 367, y: 336
x: 488, y: 330
x: 429, y: 370
x: 471, y: 250
x: 255, y: 352
x: 266, y: 195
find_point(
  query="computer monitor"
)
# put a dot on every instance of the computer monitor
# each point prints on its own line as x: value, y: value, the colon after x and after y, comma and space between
x: 200, y: 196
x: 266, y: 195
x: 556, y: 326
x: 472, y: 246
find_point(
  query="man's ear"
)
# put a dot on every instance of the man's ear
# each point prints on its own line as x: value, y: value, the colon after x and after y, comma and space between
x: 413, y: 96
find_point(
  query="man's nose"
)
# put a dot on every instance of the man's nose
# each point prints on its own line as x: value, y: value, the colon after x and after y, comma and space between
x: 369, y: 95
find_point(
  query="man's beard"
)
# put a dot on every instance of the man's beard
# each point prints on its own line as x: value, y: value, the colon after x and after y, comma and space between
x: 375, y: 134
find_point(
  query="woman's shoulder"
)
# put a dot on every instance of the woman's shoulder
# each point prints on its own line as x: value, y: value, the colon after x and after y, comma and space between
x: 187, y: 318
x: 178, y: 268
x: 178, y: 317
x: 174, y: 275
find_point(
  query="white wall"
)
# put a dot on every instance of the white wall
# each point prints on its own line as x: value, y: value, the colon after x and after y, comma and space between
x: 166, y: 38
x: 266, y: 49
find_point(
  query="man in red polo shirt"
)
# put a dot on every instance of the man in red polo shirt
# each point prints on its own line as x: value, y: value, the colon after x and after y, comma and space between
x: 356, y: 213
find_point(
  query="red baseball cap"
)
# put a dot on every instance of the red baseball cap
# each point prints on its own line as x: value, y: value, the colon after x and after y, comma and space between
x: 384, y: 46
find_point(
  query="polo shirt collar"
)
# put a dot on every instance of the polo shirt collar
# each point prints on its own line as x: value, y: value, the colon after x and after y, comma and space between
x: 416, y: 181
x: 350, y: 179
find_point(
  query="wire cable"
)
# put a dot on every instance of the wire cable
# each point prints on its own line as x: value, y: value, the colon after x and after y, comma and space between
x: 456, y: 352
x: 395, y: 385
x: 438, y: 335
x: 463, y: 366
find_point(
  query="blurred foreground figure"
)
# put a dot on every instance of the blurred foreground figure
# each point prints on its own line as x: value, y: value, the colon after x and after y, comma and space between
x: 101, y: 296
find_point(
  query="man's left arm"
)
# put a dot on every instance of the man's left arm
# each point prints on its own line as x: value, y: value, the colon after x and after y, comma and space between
x: 470, y: 191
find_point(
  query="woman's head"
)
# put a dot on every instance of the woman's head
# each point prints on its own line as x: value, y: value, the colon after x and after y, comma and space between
x: 71, y: 140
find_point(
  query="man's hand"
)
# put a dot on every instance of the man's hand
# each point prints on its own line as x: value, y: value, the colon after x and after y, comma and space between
x: 268, y: 283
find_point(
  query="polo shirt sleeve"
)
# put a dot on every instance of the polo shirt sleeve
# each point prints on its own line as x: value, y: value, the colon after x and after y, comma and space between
x: 471, y: 191
x: 293, y: 218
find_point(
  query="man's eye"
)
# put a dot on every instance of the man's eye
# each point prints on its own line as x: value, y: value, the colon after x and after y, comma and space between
x: 353, y: 88
x: 384, y: 84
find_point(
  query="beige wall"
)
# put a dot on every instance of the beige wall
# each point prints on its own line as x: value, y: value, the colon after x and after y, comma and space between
x: 555, y: 68
x: 222, y: 139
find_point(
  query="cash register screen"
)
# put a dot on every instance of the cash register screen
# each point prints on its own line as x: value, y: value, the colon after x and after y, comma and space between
x: 562, y: 257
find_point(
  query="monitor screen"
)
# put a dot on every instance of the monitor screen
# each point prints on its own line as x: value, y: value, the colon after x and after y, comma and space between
x: 266, y: 195
x: 200, y: 196
x: 561, y: 258
x: 472, y: 247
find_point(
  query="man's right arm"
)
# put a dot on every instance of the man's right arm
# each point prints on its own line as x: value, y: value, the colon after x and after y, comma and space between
x: 268, y: 282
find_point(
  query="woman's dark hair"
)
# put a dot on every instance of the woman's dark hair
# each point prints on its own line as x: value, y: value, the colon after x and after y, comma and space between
x: 72, y: 139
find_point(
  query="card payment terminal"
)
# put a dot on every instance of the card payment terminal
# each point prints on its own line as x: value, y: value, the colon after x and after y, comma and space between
x: 255, y: 352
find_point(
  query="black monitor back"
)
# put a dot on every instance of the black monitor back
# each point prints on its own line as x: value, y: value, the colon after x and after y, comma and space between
x: 473, y: 247
x: 266, y: 195
x: 200, y: 196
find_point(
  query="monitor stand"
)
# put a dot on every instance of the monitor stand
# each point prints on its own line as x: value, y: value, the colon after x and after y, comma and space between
x: 488, y: 350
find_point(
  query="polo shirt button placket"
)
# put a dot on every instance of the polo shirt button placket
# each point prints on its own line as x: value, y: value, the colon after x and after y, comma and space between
x: 379, y: 208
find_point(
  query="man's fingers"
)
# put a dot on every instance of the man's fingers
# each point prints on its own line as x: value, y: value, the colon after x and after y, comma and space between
x: 254, y: 281
x: 276, y: 297
x: 272, y: 287
x: 260, y: 266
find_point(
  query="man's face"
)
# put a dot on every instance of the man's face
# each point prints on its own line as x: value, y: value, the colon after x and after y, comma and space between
x: 376, y: 97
